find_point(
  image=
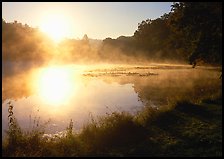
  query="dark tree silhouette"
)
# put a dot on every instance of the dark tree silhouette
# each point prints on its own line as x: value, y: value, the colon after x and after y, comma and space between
x: 200, y: 24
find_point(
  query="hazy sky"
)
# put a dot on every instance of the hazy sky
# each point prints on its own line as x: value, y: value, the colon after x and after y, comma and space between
x: 98, y: 20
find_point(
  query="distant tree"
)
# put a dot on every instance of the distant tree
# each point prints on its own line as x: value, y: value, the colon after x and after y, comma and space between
x: 85, y: 39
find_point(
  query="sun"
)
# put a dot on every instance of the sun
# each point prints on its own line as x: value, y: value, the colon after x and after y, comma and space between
x: 55, y: 86
x: 56, y: 26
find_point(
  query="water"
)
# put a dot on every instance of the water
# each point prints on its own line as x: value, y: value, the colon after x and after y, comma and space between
x: 61, y: 93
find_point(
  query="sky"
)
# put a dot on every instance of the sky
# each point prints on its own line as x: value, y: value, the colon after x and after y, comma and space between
x: 99, y: 20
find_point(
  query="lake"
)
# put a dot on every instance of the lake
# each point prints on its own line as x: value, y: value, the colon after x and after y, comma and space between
x: 60, y: 93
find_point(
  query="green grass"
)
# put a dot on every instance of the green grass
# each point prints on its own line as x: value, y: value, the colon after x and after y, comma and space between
x: 183, y: 128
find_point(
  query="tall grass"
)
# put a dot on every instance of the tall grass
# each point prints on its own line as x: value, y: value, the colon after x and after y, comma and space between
x: 181, y: 129
x: 20, y: 142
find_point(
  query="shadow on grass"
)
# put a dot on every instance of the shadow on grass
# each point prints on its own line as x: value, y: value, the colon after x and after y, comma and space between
x: 190, y: 130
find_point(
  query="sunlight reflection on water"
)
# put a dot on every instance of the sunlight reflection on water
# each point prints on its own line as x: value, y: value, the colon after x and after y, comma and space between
x: 97, y: 91
x: 87, y: 96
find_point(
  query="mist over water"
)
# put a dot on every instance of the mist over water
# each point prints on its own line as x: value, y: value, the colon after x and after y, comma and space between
x: 100, y: 89
x: 154, y: 92
x: 77, y: 79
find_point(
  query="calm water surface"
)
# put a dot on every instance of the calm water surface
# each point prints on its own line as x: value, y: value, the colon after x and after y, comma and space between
x: 61, y: 93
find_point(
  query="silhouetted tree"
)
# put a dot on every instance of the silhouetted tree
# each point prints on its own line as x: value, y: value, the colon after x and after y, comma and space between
x: 200, y: 24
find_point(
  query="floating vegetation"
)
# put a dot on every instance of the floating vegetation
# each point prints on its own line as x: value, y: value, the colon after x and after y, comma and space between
x: 118, y: 73
x: 148, y: 74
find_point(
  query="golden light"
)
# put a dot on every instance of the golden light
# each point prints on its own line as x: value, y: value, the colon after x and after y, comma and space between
x: 57, y: 26
x: 55, y: 85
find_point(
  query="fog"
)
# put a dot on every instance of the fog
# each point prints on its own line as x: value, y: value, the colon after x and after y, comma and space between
x: 114, y: 75
x: 163, y: 85
x: 25, y: 49
x: 104, y: 88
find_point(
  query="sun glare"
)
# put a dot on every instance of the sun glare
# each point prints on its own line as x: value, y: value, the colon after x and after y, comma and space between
x: 55, y: 86
x: 56, y: 26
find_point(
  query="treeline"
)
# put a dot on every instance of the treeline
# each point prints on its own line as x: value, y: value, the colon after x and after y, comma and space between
x: 84, y: 50
x: 190, y: 32
x: 199, y: 27
x: 23, y: 43
x: 23, y: 48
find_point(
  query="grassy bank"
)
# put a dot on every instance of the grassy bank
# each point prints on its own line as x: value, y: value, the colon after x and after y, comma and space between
x: 181, y: 129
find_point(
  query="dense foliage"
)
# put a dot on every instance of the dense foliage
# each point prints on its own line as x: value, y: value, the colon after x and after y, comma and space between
x: 200, y: 25
x: 191, y: 31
